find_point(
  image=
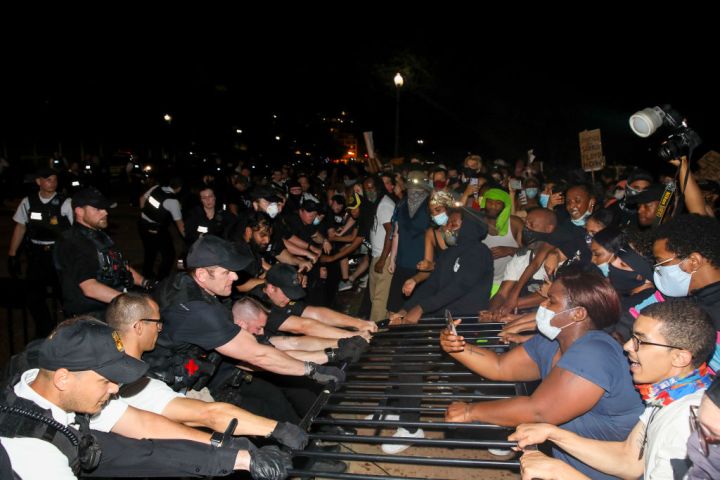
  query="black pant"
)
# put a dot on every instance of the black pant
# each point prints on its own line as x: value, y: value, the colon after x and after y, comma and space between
x: 257, y: 396
x: 156, y: 241
x: 41, y: 275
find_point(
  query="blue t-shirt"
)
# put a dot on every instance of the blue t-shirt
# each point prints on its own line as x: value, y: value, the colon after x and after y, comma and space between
x: 596, y: 357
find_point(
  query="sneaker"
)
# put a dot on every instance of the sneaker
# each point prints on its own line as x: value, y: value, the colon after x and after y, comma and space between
x: 500, y: 452
x: 345, y: 285
x: 394, y: 448
x: 363, y: 282
x: 390, y: 417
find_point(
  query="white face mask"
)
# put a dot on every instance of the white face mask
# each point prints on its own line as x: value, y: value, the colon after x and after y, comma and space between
x: 672, y: 281
x: 272, y: 210
x: 543, y: 318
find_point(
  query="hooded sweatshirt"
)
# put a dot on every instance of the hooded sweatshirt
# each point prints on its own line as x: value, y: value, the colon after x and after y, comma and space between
x: 463, y: 274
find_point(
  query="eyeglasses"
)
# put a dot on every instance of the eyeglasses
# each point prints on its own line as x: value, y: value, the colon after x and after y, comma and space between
x: 636, y: 342
x: 154, y: 320
x: 703, y: 439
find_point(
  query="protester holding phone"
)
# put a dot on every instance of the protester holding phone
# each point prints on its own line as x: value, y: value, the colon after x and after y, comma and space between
x: 586, y: 386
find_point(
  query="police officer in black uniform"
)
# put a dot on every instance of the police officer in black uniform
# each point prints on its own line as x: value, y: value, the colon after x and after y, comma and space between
x: 160, y: 207
x: 92, y: 270
x: 207, y: 218
x: 39, y: 220
x: 198, y: 327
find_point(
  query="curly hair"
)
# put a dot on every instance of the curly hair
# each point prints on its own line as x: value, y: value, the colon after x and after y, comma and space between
x: 586, y: 287
x: 690, y: 233
x: 684, y: 325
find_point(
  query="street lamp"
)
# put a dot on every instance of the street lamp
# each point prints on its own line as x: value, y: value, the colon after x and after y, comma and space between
x: 398, y: 83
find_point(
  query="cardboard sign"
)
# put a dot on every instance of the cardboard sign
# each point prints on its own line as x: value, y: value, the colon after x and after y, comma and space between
x: 591, y: 155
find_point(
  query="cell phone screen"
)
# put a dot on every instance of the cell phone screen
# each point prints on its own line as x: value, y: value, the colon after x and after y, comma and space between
x: 450, y: 324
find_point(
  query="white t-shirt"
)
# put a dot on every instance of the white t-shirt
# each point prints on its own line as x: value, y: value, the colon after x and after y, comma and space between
x: 32, y: 458
x: 384, y: 213
x: 667, y: 436
x: 517, y: 265
x: 149, y: 394
x: 172, y: 205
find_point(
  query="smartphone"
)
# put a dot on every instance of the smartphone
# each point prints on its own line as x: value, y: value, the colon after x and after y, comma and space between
x: 450, y: 323
x: 515, y: 184
x: 473, y: 181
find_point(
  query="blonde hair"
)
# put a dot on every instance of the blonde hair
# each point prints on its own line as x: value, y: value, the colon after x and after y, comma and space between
x: 441, y: 198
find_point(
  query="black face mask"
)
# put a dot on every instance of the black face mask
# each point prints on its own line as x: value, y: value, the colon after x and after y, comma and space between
x: 531, y: 236
x: 624, y: 281
x: 469, y: 172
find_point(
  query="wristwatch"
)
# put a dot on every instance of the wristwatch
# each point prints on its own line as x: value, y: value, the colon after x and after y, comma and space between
x: 216, y: 439
x: 331, y: 354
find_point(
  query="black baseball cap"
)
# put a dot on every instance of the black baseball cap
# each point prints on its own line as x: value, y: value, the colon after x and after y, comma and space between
x: 209, y: 251
x: 265, y: 192
x: 89, y: 344
x: 92, y: 197
x: 639, y: 174
x: 45, y: 172
x: 285, y: 277
x: 652, y: 194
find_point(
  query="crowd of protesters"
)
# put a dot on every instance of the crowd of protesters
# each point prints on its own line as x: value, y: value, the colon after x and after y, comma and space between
x: 608, y: 292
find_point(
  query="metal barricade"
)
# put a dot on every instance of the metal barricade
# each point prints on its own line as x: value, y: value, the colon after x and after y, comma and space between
x: 406, y: 364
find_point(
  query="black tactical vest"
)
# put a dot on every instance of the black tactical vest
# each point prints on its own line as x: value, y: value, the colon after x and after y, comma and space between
x: 182, y: 366
x: 45, y: 222
x: 112, y: 267
x: 153, y: 208
x: 20, y: 417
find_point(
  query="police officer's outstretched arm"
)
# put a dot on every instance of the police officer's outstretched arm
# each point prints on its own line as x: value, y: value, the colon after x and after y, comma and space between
x: 245, y: 348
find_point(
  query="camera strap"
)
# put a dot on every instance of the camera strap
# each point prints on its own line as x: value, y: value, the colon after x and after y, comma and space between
x: 664, y: 202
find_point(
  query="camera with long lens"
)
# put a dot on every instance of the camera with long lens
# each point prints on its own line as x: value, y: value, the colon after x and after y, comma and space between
x: 682, y: 139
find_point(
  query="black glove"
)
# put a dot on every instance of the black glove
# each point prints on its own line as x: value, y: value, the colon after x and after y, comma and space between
x: 290, y: 435
x: 14, y: 268
x: 269, y: 463
x: 324, y: 374
x: 351, y: 349
x: 149, y: 284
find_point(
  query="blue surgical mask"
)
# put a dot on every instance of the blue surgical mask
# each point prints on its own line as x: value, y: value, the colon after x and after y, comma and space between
x: 531, y: 192
x: 580, y: 222
x: 543, y: 318
x: 604, y: 268
x: 440, y: 219
x: 544, y: 199
x: 672, y: 281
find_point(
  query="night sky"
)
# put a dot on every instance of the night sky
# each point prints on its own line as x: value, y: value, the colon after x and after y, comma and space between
x: 464, y: 94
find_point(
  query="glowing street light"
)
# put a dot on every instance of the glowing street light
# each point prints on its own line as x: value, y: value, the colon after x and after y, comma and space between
x: 399, y: 82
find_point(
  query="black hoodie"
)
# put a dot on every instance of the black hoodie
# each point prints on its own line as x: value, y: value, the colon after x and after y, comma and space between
x: 463, y: 274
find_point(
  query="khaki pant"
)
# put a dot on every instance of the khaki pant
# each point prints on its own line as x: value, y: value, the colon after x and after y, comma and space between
x: 379, y: 289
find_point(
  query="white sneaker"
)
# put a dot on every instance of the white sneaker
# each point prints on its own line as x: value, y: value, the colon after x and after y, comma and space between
x: 345, y: 285
x: 500, y: 452
x: 363, y: 282
x: 390, y: 417
x: 393, y: 448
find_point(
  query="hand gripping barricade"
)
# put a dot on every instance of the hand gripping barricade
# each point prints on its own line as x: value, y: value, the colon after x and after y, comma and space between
x: 406, y: 366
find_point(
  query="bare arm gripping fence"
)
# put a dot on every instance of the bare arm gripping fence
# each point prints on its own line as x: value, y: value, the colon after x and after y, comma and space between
x: 405, y: 373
